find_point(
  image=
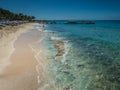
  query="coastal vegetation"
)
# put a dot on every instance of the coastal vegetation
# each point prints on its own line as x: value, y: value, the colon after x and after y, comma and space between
x: 8, y: 15
x: 9, y: 18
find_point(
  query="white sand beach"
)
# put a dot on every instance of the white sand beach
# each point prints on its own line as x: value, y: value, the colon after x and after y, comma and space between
x: 17, y: 58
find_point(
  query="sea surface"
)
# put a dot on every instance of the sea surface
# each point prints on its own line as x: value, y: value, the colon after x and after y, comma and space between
x: 90, y: 59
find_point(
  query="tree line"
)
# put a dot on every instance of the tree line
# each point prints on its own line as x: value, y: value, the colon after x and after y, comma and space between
x: 8, y: 15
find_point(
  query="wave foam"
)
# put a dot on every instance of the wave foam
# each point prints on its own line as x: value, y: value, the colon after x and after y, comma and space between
x: 67, y: 48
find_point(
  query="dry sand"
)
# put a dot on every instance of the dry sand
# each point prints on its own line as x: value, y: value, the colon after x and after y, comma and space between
x: 17, y: 61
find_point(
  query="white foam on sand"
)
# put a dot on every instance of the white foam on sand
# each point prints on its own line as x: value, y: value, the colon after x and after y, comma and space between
x: 67, y: 48
x: 7, y: 45
x: 6, y: 50
x: 39, y: 55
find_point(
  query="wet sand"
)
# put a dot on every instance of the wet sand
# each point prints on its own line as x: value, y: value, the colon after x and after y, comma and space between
x: 17, y: 61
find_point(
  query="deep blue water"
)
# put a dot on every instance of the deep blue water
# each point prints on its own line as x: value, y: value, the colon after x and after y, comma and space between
x: 92, y: 55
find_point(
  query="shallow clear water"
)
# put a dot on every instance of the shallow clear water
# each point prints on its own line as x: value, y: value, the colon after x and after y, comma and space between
x: 92, y: 56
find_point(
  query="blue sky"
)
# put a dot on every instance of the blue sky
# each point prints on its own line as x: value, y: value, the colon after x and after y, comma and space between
x: 66, y: 9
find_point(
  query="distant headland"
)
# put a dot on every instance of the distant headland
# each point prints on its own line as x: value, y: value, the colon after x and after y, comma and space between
x: 9, y: 18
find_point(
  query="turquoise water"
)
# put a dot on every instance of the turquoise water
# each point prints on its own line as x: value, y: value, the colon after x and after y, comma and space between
x: 92, y: 56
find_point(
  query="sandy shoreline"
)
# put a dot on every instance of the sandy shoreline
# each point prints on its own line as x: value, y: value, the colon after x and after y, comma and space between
x: 8, y: 36
x: 17, y: 61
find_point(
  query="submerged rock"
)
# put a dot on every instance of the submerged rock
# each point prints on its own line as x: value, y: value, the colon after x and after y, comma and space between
x: 60, y: 47
x: 72, y: 22
x: 87, y: 22
x: 78, y: 22
x: 79, y: 66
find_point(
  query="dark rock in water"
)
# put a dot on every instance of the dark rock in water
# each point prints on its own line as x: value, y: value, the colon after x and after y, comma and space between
x: 60, y: 47
x: 80, y: 66
x: 82, y: 22
x: 67, y: 66
x: 116, y: 53
x: 66, y: 72
x: 52, y: 22
x: 87, y: 22
x: 72, y: 22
